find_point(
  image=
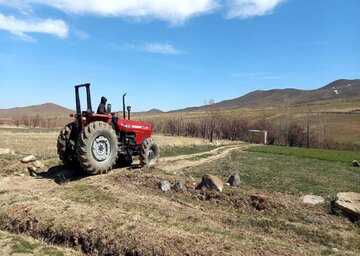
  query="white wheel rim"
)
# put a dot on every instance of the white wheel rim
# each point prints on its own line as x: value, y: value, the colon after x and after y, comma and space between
x: 100, y: 148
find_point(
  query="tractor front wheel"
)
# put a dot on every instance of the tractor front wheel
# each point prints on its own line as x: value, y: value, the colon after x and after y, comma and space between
x: 97, y: 148
x: 149, y: 153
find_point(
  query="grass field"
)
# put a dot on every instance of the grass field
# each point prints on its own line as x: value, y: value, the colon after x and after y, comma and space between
x: 11, y: 244
x: 343, y: 156
x: 125, y: 213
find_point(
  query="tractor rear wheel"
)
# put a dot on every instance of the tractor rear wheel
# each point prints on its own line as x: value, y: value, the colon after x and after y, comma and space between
x: 97, y: 148
x: 66, y: 145
x: 149, y: 153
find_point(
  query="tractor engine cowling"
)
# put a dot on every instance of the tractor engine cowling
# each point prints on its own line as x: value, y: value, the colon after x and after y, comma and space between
x: 142, y: 130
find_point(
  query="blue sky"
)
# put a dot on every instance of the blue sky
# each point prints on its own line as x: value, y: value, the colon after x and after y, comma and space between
x: 172, y: 54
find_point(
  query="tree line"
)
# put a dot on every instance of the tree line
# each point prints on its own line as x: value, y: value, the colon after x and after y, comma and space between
x: 35, y: 121
x: 307, y: 130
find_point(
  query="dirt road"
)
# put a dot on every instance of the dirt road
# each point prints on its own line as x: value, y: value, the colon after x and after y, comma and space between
x: 178, y: 163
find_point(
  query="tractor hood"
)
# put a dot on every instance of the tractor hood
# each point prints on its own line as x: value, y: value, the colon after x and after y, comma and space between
x: 134, y: 126
x: 142, y: 130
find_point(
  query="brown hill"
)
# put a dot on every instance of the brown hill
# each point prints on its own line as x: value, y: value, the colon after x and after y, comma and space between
x: 43, y: 110
x: 155, y: 111
x: 338, y: 89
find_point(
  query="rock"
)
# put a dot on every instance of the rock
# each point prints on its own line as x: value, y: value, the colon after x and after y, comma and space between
x: 216, y: 143
x: 335, y: 250
x: 210, y: 182
x: 348, y: 202
x: 165, y: 186
x: 38, y: 164
x: 32, y: 171
x: 31, y: 168
x: 234, y: 180
x: 178, y: 186
x: 28, y: 159
x: 311, y: 199
x: 5, y: 180
x: 355, y: 163
x: 5, y: 151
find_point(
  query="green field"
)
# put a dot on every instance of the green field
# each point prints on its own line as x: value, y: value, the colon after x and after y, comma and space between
x: 342, y: 156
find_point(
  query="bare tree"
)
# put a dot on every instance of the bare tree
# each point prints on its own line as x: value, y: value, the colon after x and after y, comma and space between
x: 26, y: 121
x: 35, y: 121
x: 212, y: 118
x: 286, y: 122
x: 307, y: 124
x: 17, y: 121
x: 321, y: 129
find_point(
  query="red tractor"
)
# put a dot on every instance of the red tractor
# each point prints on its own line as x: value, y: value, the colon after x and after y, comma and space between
x: 99, y: 141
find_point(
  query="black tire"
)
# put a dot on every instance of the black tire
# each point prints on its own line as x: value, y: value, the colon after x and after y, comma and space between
x: 124, y: 160
x: 66, y: 145
x: 97, y: 148
x: 149, y: 153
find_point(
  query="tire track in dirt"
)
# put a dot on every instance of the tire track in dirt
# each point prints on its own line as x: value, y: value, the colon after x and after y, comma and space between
x: 171, y: 164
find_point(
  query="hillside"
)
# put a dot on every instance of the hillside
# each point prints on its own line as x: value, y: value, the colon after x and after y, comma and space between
x: 338, y: 89
x: 43, y: 110
x: 155, y: 111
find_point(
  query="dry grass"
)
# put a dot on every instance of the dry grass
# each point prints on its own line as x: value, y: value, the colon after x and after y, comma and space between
x: 40, y: 144
x: 125, y: 213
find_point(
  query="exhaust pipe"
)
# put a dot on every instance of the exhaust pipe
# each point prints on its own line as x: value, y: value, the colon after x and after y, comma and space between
x: 128, y: 109
x: 124, y: 113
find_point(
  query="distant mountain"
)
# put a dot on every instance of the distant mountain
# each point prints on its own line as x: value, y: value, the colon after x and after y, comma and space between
x: 155, y: 111
x: 338, y: 89
x: 43, y: 110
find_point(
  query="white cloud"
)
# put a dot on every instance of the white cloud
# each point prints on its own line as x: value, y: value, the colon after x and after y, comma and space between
x: 167, y: 49
x: 22, y: 27
x: 158, y: 48
x: 173, y: 11
x: 248, y: 8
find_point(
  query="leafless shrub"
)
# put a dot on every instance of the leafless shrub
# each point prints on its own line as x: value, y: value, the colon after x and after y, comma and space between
x: 34, y: 121
x: 17, y: 121
x: 26, y: 121
x: 212, y: 118
x: 295, y: 135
